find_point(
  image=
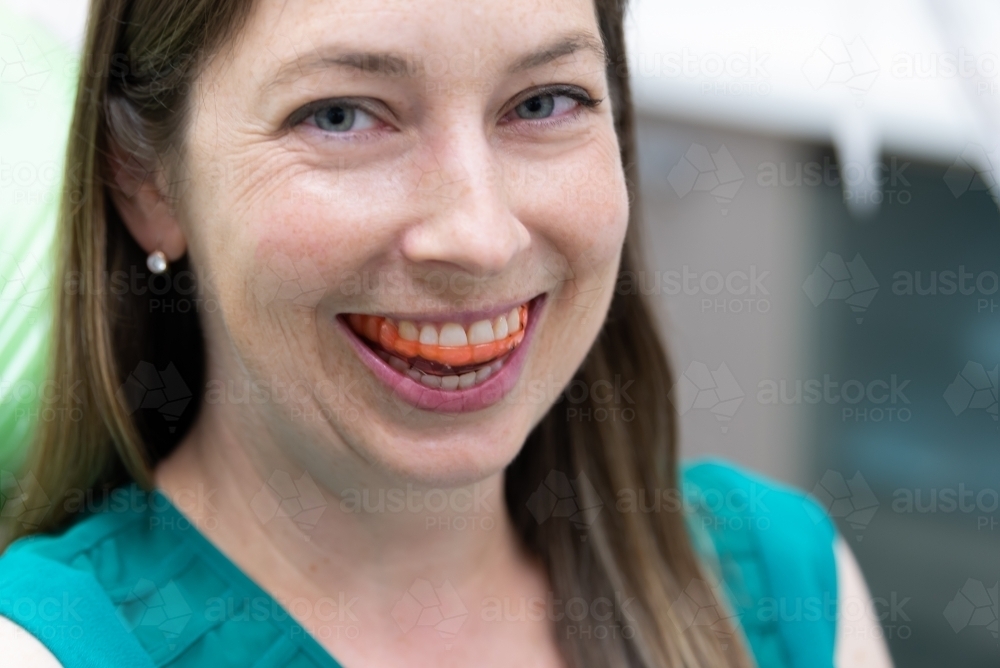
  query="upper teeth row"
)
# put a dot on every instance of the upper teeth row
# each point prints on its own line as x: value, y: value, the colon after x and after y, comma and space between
x: 454, y: 334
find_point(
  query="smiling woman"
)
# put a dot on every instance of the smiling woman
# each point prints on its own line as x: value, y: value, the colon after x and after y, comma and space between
x: 379, y: 398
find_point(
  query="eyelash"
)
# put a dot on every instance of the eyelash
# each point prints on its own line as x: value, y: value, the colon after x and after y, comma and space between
x: 583, y: 100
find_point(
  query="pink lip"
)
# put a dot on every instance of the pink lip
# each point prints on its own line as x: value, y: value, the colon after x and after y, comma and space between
x: 495, y: 388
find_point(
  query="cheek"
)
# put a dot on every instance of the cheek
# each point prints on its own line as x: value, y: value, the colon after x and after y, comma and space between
x: 578, y: 206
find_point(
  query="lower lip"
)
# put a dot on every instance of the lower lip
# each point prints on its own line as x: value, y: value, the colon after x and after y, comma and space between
x: 481, y: 396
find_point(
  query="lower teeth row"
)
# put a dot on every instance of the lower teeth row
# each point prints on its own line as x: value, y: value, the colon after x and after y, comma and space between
x: 465, y: 381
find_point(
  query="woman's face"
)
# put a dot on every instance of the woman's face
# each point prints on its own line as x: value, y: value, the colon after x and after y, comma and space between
x: 410, y: 220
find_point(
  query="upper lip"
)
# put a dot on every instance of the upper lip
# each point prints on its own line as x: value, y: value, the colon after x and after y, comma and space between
x: 461, y: 317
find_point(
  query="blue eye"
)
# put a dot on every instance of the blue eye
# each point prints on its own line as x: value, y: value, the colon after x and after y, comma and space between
x: 556, y: 102
x: 540, y: 106
x: 342, y: 117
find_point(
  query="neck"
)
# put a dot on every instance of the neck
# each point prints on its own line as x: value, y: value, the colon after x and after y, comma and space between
x: 301, y: 534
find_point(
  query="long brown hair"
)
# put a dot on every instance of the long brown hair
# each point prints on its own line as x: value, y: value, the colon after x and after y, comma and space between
x: 139, y: 61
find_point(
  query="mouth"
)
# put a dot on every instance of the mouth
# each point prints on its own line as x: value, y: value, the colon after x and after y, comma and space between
x: 454, y: 363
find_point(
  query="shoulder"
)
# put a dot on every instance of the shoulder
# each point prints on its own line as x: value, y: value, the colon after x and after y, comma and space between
x: 134, y: 584
x: 61, y: 590
x: 860, y: 639
x: 746, y: 510
x: 23, y: 649
x: 772, y: 548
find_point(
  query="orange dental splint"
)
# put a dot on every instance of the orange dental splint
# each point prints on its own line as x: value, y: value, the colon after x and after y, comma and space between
x: 384, y: 332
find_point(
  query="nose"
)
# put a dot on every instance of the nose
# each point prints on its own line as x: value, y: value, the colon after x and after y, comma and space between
x: 467, y: 221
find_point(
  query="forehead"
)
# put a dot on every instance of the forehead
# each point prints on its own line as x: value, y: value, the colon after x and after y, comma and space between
x: 289, y: 39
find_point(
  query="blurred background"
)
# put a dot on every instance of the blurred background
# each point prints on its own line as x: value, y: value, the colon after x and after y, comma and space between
x: 819, y: 185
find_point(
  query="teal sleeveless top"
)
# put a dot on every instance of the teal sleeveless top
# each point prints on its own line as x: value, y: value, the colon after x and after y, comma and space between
x: 139, y: 586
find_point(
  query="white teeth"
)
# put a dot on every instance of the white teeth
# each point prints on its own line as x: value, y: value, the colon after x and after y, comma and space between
x: 408, y: 331
x: 481, y: 331
x: 430, y: 381
x: 465, y: 381
x: 500, y: 328
x: 452, y: 334
x: 428, y: 335
x: 513, y: 321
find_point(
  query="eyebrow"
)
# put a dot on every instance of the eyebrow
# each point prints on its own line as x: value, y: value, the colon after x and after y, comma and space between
x: 395, y: 64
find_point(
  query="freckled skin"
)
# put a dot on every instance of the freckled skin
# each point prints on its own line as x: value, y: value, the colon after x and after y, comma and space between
x: 453, y: 207
x: 444, y: 190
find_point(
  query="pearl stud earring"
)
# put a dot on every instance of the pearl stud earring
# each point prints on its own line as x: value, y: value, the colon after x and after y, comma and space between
x: 157, y: 262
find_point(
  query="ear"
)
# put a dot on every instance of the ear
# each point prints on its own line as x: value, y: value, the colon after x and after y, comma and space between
x: 140, y: 195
